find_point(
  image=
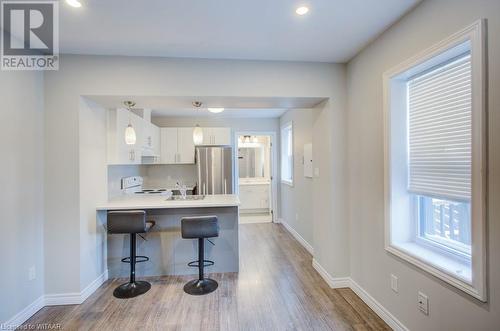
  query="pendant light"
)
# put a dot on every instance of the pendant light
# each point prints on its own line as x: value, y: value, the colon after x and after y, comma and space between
x: 198, y: 135
x: 130, y: 136
x: 197, y: 131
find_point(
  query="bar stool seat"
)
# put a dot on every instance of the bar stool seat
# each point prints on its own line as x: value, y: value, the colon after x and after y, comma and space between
x: 130, y: 222
x: 200, y: 227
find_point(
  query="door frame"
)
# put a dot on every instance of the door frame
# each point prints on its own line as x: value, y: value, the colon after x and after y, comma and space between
x: 274, y: 166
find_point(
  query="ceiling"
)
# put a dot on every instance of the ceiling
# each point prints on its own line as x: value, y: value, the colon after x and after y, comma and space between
x: 235, y: 107
x: 332, y: 31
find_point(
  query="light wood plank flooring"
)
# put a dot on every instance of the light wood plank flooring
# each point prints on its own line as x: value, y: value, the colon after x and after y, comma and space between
x: 276, y: 289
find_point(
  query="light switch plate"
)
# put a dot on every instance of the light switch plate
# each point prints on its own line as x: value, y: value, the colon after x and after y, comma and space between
x: 394, y: 283
x: 423, y: 303
x: 32, y: 273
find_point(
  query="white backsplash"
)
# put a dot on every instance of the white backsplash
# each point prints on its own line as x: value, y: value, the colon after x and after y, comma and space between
x: 155, y: 176
x: 165, y: 176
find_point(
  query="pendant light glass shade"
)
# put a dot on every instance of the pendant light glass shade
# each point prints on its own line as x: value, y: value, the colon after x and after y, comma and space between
x: 198, y: 135
x: 130, y: 136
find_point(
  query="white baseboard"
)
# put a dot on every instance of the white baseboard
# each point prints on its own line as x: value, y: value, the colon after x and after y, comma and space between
x: 92, y: 287
x: 380, y: 310
x: 298, y: 237
x: 333, y: 282
x: 54, y: 300
x: 21, y: 317
x: 75, y: 298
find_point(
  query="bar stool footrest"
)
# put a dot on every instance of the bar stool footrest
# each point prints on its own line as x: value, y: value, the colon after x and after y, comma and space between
x: 138, y: 259
x: 206, y: 263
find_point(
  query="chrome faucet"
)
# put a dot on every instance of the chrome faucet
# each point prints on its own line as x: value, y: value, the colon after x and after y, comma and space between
x: 182, y: 189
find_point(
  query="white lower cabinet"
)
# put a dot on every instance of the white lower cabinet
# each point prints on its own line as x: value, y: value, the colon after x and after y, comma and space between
x: 254, y: 196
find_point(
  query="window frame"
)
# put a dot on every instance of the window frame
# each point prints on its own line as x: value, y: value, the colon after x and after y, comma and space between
x: 476, y: 284
x: 443, y: 245
x: 287, y: 126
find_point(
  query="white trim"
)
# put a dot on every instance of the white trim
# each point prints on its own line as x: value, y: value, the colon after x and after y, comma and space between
x: 92, y: 287
x: 274, y: 166
x: 63, y: 299
x: 298, y: 237
x: 380, y: 310
x: 21, y: 317
x: 348, y: 282
x: 289, y: 182
x: 76, y: 298
x: 338, y: 282
x: 476, y: 34
x: 54, y: 300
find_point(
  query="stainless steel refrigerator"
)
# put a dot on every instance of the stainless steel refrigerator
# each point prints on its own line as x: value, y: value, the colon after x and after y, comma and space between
x: 215, y: 169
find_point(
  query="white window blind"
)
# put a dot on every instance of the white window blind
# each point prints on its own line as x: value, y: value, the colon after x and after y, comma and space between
x: 439, y: 131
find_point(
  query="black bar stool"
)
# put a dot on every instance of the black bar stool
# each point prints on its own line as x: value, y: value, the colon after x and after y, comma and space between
x: 131, y: 222
x: 200, y: 227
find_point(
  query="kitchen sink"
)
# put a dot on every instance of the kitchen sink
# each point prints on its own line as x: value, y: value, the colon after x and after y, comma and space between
x: 188, y: 197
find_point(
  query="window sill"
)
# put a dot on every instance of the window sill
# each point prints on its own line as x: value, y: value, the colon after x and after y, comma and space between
x: 452, y: 271
x: 287, y: 182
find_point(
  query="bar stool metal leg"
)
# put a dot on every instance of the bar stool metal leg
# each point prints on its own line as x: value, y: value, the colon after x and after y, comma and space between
x: 133, y: 288
x: 201, y: 285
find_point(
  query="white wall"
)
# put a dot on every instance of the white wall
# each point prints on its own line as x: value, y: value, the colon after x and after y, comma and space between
x: 94, y: 75
x: 297, y: 200
x: 21, y: 203
x: 371, y: 266
x: 93, y: 189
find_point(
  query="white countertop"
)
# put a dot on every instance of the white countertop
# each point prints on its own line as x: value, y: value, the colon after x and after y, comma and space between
x: 254, y: 182
x: 160, y: 202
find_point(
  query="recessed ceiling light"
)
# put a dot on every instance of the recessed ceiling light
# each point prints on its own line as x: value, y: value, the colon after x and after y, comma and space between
x: 215, y: 110
x: 74, y: 3
x: 302, y: 10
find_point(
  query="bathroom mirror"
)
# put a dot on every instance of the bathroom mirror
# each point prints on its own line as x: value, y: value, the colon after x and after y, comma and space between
x: 251, y: 162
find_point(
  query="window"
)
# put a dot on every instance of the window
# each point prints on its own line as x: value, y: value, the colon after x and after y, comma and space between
x: 287, y: 154
x: 434, y: 161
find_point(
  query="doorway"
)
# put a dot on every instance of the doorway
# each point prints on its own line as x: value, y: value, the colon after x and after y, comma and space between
x: 255, y: 168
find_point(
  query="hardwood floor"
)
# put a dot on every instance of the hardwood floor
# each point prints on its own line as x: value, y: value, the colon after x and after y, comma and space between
x: 276, y: 289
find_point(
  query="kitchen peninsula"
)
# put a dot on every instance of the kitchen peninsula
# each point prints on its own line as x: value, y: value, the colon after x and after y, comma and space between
x: 169, y: 254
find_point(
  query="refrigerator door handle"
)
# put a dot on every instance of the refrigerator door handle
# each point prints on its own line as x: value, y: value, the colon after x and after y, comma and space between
x: 225, y: 186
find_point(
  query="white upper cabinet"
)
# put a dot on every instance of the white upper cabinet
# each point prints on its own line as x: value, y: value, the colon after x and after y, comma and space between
x: 118, y: 151
x: 151, y: 143
x: 168, y: 145
x: 185, y: 145
x: 177, y: 146
x: 216, y: 136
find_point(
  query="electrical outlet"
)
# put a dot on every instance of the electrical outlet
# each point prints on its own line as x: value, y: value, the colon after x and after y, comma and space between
x: 423, y: 303
x: 296, y: 217
x: 32, y: 273
x: 394, y: 283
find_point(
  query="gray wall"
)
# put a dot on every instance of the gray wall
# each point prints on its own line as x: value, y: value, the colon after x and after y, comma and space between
x: 297, y: 200
x: 102, y: 75
x: 21, y: 202
x: 371, y: 266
